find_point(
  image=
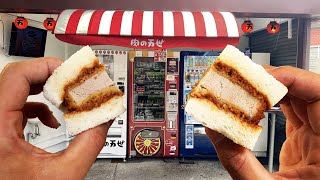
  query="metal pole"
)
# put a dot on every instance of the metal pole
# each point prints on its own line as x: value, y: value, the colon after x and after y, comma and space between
x: 271, y: 143
x: 272, y: 111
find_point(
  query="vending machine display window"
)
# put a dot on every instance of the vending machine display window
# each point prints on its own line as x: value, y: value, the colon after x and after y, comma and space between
x: 149, y: 89
x: 154, y: 107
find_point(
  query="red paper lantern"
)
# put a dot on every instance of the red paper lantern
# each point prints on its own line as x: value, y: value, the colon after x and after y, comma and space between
x: 273, y: 27
x: 49, y: 24
x: 247, y: 26
x: 21, y: 22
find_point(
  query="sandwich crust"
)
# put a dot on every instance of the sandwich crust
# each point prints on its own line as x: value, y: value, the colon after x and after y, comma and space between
x: 224, y: 122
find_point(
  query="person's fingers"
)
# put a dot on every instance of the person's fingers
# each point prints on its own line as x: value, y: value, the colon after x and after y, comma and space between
x: 304, y: 85
x: 84, y: 149
x: 299, y: 108
x: 314, y: 116
x: 293, y: 121
x: 237, y: 160
x: 306, y: 172
x: 266, y: 66
x: 288, y: 110
x: 16, y: 79
x: 41, y: 111
x: 15, y: 82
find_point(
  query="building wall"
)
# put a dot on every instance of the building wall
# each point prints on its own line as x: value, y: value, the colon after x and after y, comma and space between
x: 54, y: 48
x: 314, y: 59
x: 315, y: 37
x: 315, y: 23
x: 283, y: 50
x: 314, y: 56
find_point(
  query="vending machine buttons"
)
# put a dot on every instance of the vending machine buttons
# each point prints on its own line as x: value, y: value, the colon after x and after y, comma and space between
x: 172, y: 86
x: 172, y: 100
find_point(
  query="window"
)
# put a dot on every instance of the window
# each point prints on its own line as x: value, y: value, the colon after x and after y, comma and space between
x: 314, y: 57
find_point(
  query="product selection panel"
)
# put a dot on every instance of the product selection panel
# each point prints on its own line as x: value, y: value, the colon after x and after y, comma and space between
x: 172, y: 101
x: 172, y: 105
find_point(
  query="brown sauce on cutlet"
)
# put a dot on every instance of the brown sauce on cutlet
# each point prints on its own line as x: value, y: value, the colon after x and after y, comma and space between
x: 95, y: 100
x: 236, y: 78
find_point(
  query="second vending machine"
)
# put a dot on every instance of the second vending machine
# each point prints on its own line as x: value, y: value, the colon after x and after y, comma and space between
x: 117, y: 69
x: 153, y: 104
x: 194, y: 143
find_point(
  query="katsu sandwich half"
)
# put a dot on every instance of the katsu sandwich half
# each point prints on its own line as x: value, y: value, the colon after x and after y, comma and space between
x: 232, y: 96
x: 82, y: 88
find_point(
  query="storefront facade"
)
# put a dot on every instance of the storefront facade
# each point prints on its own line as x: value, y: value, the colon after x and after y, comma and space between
x: 291, y: 46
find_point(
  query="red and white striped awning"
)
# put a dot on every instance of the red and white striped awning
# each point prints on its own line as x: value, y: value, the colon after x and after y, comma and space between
x: 148, y: 29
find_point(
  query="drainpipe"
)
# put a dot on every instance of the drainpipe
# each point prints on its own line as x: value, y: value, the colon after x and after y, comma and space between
x: 303, y: 47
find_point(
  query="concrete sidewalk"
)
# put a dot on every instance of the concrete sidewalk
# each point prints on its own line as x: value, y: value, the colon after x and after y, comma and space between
x: 149, y: 169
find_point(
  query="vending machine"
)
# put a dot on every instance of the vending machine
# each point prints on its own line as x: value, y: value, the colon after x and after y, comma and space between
x: 153, y: 111
x: 194, y: 143
x: 116, y: 63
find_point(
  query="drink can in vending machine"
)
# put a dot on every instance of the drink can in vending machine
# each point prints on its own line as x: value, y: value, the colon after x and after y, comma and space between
x: 190, y: 62
x: 192, y: 80
x: 188, y: 76
x: 195, y: 76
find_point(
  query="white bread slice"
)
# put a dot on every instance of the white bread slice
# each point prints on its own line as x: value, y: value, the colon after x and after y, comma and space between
x: 79, y: 122
x: 53, y: 90
x: 226, y: 123
x: 254, y: 73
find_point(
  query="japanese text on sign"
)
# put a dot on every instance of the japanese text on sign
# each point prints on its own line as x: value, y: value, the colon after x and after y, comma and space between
x: 249, y: 26
x: 150, y: 43
x: 114, y: 143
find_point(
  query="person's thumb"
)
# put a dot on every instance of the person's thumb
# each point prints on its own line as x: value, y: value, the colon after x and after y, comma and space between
x: 84, y: 149
x: 237, y: 160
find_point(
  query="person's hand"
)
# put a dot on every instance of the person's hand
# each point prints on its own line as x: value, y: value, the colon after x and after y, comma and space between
x: 300, y: 153
x: 21, y: 160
